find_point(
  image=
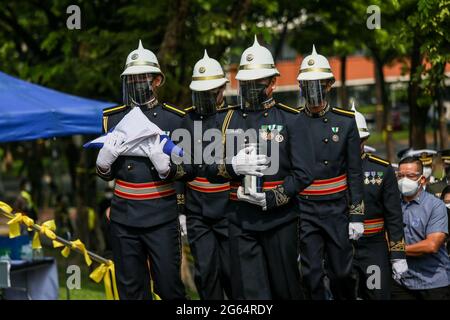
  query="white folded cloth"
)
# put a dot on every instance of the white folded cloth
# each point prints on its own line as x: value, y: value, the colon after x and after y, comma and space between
x: 136, y: 127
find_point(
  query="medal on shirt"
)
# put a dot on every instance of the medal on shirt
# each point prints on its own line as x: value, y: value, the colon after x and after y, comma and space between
x: 279, y: 138
x: 366, y: 179
x: 335, y: 137
x: 372, y: 174
x: 379, y: 178
x: 271, y: 131
x: 265, y: 135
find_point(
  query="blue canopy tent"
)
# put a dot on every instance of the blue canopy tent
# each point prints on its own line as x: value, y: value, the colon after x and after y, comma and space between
x: 29, y: 111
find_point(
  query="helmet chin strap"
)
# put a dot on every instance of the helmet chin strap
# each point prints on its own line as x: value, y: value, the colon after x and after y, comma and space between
x: 150, y: 103
x: 317, y: 113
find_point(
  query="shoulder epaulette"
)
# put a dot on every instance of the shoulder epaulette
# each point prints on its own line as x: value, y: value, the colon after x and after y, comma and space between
x: 112, y: 110
x: 344, y: 112
x: 228, y: 108
x: 174, y: 109
x: 188, y: 109
x: 379, y: 160
x: 287, y: 108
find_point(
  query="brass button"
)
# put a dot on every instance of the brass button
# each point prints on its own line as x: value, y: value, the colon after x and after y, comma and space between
x: 325, y: 162
x: 201, y: 117
x: 129, y: 167
x: 200, y: 166
x: 265, y: 114
x: 325, y: 120
x: 325, y: 140
x: 244, y: 115
x: 154, y: 114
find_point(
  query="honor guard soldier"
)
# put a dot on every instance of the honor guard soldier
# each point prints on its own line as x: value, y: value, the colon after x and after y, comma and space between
x: 332, y: 209
x: 437, y: 187
x: 145, y: 235
x: 263, y: 223
x: 206, y: 202
x: 383, y: 217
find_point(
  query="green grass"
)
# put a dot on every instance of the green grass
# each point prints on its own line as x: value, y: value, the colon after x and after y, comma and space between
x: 89, y: 290
x: 379, y: 138
x: 367, y: 109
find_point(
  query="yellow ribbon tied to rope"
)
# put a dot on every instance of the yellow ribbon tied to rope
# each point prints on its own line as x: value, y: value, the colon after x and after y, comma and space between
x: 14, y: 224
x: 77, y: 244
x: 48, y: 229
x: 5, y: 207
x: 106, y: 273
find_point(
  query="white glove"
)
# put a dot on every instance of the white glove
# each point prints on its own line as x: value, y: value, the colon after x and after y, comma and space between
x: 112, y: 148
x: 182, y: 220
x: 258, y: 198
x: 248, y: 162
x: 160, y: 160
x: 399, y: 267
x: 355, y: 230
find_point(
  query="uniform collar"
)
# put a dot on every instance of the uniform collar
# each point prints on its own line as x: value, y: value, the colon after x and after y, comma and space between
x: 223, y: 105
x: 364, y: 155
x: 265, y: 106
x: 150, y: 105
x: 318, y: 114
x: 268, y: 103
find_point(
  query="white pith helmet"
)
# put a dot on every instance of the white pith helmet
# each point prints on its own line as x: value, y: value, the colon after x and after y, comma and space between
x: 315, y: 67
x: 256, y: 63
x: 207, y: 74
x: 361, y: 123
x: 141, y: 61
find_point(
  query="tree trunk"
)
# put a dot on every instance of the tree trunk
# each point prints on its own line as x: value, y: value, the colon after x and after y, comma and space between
x: 343, y: 91
x: 379, y: 88
x: 174, y: 31
x: 418, y: 115
x: 383, y: 109
x: 281, y: 41
x: 86, y: 192
x: 443, y: 132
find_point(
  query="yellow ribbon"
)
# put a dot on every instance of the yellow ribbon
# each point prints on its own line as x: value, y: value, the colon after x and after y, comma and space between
x: 48, y: 229
x: 5, y: 207
x: 106, y: 273
x: 14, y: 224
x: 155, y: 296
x: 77, y: 244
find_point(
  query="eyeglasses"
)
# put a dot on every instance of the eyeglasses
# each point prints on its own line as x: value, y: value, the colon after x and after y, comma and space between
x: 412, y: 176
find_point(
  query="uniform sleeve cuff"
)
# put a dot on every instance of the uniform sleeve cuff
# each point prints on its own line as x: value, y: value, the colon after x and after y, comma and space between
x: 398, y: 255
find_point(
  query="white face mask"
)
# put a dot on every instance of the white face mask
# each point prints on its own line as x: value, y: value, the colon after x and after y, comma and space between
x: 448, y: 206
x: 408, y: 187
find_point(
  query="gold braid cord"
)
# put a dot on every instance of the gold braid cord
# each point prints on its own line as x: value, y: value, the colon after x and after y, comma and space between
x: 223, y: 171
x: 180, y: 199
x: 397, y: 245
x: 357, y: 209
x: 180, y: 172
x: 280, y: 197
